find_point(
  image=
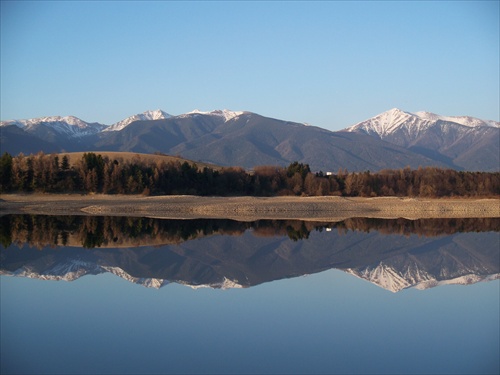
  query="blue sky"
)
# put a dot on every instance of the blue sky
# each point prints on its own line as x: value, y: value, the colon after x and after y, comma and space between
x: 330, y: 64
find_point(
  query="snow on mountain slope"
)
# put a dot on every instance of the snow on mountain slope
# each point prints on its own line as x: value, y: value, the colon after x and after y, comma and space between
x: 74, y: 127
x: 145, y: 116
x: 413, y: 124
x: 412, y: 276
x: 390, y: 279
x: 75, y: 271
x: 462, y: 120
x: 224, y: 284
x: 144, y: 281
x: 71, y: 126
x: 76, y: 268
x: 461, y: 280
x: 70, y: 120
x: 225, y: 114
x: 385, y: 123
x: 69, y: 271
x: 461, y: 142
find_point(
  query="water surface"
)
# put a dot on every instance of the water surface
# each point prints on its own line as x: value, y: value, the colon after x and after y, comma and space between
x: 361, y: 296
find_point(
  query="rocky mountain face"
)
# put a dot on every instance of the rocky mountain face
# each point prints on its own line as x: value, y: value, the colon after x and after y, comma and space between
x: 261, y: 252
x: 394, y: 139
x: 460, y: 142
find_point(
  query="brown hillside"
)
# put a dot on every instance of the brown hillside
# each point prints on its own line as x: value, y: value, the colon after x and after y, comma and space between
x: 74, y: 157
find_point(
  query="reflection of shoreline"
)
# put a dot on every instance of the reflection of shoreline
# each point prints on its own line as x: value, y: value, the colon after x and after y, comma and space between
x: 249, y: 208
x: 118, y: 232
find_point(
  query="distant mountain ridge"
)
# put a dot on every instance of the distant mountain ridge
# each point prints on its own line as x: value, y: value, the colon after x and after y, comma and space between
x: 80, y: 127
x: 69, y: 125
x: 393, y: 139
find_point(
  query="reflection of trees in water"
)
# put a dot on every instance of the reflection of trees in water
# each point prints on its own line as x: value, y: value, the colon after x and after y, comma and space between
x: 97, y: 231
x: 422, y: 227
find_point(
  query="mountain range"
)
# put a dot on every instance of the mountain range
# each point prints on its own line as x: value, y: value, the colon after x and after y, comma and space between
x: 393, y: 139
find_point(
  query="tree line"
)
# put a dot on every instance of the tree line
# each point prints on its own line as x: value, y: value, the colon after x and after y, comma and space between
x: 94, y: 173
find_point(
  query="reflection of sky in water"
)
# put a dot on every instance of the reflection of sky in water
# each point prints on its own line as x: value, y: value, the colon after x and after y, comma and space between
x: 327, y: 322
x: 323, y: 323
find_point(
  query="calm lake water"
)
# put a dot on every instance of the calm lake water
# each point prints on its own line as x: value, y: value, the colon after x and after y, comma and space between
x: 137, y: 295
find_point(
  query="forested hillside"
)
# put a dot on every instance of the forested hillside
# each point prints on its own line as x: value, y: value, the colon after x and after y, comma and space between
x: 95, y: 173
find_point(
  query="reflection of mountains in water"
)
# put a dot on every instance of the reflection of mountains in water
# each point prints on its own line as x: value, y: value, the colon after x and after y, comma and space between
x: 394, y: 254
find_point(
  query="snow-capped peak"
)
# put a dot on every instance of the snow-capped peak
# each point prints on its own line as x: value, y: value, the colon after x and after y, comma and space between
x: 395, y: 119
x: 157, y: 114
x: 69, y: 125
x: 384, y: 123
x: 225, y: 113
x: 145, y: 116
x: 70, y: 120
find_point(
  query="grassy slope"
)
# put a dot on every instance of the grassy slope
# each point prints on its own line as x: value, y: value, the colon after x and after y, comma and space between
x: 131, y: 156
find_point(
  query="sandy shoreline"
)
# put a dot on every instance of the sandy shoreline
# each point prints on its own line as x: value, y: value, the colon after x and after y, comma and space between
x: 247, y: 208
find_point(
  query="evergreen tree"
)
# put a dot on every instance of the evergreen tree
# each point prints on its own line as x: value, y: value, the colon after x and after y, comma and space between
x: 5, y: 172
